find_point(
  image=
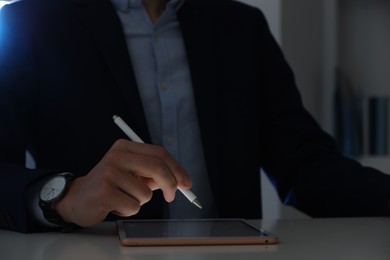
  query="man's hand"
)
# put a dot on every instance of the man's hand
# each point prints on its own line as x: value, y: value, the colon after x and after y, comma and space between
x: 121, y: 183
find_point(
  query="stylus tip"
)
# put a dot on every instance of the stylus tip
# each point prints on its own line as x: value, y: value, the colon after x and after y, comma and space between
x: 197, y: 203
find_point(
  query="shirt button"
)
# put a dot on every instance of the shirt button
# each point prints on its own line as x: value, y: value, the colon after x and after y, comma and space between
x: 155, y: 35
x: 169, y: 140
x: 164, y: 85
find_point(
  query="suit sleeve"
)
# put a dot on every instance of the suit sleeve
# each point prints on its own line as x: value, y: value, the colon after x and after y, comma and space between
x: 18, y: 77
x: 302, y: 161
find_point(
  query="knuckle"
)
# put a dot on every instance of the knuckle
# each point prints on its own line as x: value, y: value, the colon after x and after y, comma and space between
x: 134, y: 209
x: 158, y: 167
x: 114, y: 156
x: 147, y: 196
x: 161, y: 170
x: 162, y: 153
x: 172, y: 185
x: 120, y: 143
x: 107, y: 175
x: 104, y: 191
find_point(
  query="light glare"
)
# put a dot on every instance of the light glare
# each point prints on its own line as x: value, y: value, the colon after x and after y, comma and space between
x: 5, y: 2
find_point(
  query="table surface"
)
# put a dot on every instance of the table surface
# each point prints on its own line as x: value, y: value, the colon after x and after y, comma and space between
x: 338, y: 238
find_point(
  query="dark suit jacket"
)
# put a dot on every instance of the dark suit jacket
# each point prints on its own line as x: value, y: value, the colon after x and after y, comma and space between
x: 65, y: 71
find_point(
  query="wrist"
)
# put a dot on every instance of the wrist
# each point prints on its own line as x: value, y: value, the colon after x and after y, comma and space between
x: 52, y: 192
x: 64, y: 207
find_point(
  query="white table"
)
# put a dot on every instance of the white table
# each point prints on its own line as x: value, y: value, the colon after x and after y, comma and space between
x: 314, y: 239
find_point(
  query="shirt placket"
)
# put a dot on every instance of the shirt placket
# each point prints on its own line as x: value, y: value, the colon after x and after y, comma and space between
x: 166, y: 94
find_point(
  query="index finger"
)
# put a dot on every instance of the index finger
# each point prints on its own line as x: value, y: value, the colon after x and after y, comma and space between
x: 154, y: 164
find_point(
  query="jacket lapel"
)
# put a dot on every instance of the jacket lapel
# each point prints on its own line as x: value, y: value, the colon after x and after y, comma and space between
x: 198, y: 39
x: 105, y: 27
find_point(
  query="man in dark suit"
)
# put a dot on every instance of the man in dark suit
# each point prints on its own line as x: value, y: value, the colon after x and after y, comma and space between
x: 68, y: 66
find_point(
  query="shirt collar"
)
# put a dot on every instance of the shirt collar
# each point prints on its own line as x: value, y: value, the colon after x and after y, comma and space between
x: 124, y: 5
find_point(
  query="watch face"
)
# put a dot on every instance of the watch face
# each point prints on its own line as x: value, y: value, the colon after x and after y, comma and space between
x: 53, y: 188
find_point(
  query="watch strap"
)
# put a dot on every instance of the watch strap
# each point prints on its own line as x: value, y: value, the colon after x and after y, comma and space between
x: 48, y: 210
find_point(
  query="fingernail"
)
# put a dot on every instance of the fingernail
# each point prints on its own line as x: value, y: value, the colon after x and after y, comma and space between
x: 172, y: 198
x: 188, y: 181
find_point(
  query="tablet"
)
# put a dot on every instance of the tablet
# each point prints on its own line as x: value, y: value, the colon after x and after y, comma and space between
x: 192, y: 232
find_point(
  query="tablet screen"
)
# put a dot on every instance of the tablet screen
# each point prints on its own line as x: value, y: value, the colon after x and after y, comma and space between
x: 195, y: 231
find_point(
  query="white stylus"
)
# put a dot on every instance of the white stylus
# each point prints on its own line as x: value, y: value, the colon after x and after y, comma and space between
x: 134, y: 137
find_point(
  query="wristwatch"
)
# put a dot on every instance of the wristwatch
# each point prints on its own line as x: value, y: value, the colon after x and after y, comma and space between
x: 52, y: 191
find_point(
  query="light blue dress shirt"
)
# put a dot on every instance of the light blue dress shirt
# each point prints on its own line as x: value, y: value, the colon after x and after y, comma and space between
x: 164, y: 81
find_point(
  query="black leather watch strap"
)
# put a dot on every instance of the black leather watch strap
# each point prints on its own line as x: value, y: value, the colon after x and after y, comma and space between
x: 48, y: 210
